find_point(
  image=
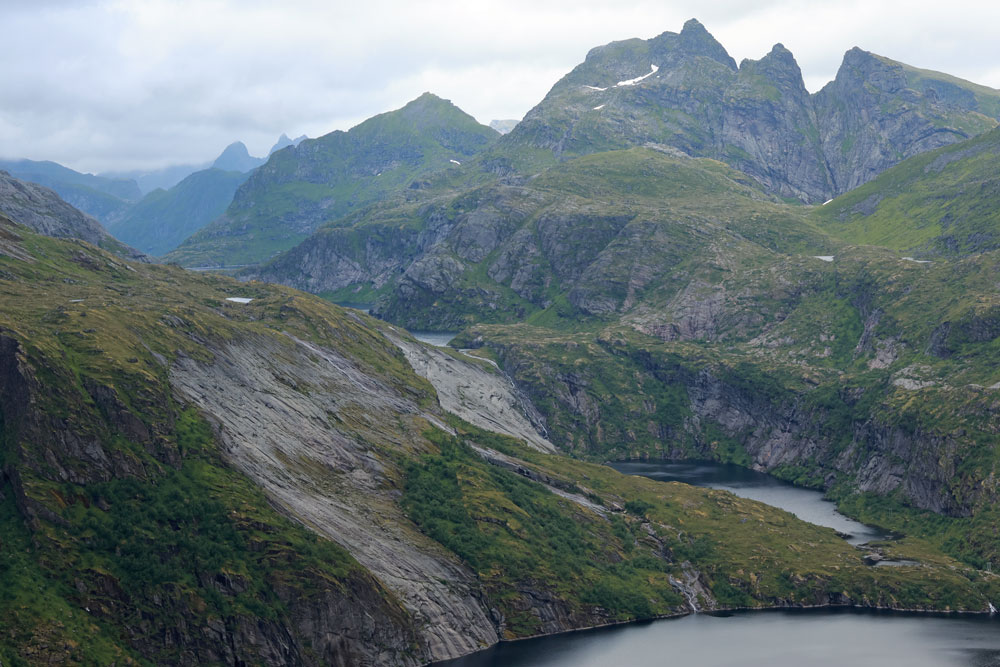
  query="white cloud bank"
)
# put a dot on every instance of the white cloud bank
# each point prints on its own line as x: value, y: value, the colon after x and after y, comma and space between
x: 117, y: 85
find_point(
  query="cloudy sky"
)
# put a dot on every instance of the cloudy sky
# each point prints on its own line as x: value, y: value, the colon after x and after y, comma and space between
x: 100, y: 85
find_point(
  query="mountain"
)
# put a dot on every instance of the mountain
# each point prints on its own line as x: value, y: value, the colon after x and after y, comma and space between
x: 941, y: 203
x: 161, y: 220
x: 504, y: 126
x: 167, y: 177
x: 656, y: 305
x: 43, y: 211
x: 283, y: 142
x: 236, y: 157
x: 685, y: 91
x: 323, y: 179
x: 505, y: 251
x: 175, y: 460
x: 156, y: 179
x: 98, y: 196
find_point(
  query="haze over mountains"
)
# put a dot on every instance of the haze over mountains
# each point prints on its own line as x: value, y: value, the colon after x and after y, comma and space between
x: 671, y: 256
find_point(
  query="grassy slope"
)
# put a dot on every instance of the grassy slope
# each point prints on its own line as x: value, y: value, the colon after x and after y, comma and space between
x: 145, y: 545
x: 323, y: 179
x: 945, y: 202
x: 162, y: 219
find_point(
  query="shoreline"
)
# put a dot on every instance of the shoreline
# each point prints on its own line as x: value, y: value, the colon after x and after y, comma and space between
x: 847, y: 608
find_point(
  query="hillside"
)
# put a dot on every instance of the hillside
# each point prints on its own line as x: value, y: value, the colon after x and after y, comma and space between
x: 322, y: 179
x: 139, y: 507
x: 101, y: 197
x: 43, y: 211
x: 942, y: 203
x: 596, y: 233
x: 161, y: 220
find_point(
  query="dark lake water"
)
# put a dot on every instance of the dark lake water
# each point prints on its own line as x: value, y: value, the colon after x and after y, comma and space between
x: 436, y: 338
x: 773, y: 638
x: 806, y: 504
x: 800, y: 638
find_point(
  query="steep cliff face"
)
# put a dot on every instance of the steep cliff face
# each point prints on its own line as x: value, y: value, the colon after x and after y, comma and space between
x: 685, y: 91
x: 828, y: 372
x: 870, y: 118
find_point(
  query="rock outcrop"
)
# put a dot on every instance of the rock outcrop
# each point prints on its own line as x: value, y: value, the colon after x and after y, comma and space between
x: 42, y: 210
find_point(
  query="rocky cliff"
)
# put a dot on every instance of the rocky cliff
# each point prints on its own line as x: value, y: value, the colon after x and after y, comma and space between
x: 43, y: 211
x: 684, y: 90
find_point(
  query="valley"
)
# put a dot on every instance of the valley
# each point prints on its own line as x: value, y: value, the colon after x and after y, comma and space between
x: 687, y: 351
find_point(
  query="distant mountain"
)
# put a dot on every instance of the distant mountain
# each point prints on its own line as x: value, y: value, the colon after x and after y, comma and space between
x: 322, y: 179
x: 236, y: 157
x: 162, y: 219
x: 40, y: 209
x: 101, y: 197
x: 168, y: 177
x: 164, y: 178
x: 284, y: 142
x: 684, y: 90
x: 504, y: 126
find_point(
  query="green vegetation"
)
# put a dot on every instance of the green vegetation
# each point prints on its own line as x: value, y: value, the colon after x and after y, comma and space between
x: 942, y: 203
x: 324, y: 179
x: 163, y: 218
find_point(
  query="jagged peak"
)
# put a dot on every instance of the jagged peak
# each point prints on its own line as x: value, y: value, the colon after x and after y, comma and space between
x: 695, y: 39
x: 692, y: 26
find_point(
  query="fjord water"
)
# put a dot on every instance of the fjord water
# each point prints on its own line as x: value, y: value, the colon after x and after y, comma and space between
x: 806, y: 504
x: 775, y: 638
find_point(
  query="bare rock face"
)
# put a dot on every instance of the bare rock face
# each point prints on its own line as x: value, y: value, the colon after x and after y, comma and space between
x: 488, y: 399
x: 757, y: 117
x: 43, y: 211
x: 870, y: 118
x: 285, y: 438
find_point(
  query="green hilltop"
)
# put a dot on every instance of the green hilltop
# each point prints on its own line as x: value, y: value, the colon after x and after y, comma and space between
x: 322, y: 179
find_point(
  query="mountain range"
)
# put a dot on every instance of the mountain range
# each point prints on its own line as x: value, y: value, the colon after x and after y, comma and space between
x: 672, y: 256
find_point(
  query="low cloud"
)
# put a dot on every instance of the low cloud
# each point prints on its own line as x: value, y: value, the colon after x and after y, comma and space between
x: 121, y: 85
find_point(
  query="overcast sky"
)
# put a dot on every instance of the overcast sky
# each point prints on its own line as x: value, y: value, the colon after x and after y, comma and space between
x: 100, y: 85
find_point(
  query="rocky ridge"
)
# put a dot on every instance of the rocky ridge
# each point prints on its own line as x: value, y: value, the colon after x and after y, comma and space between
x: 758, y: 116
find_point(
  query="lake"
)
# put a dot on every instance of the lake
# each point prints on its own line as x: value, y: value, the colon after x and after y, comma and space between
x: 806, y: 504
x: 769, y: 638
x: 775, y: 638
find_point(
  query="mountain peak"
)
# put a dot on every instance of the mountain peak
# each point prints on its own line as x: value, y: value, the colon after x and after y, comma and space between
x: 696, y: 40
x: 693, y: 26
x: 236, y: 157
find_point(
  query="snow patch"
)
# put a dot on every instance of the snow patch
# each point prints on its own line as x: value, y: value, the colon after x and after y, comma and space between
x: 827, y: 202
x: 825, y: 258
x: 918, y: 261
x: 598, y: 107
x: 596, y: 88
x: 76, y: 300
x: 454, y: 161
x: 632, y: 82
x: 239, y: 299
